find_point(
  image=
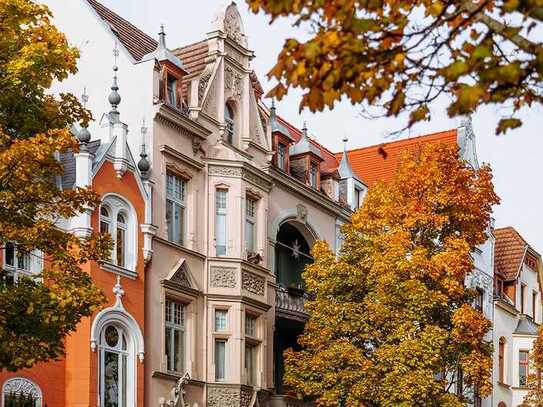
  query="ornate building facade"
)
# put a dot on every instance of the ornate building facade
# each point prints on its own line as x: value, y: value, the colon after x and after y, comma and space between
x: 220, y: 214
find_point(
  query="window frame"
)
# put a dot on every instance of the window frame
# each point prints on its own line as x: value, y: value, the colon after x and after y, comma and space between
x: 522, y: 297
x: 229, y: 123
x: 501, y: 359
x: 523, y: 364
x: 253, y: 340
x: 224, y: 341
x: 221, y: 212
x: 33, y: 261
x: 313, y: 175
x: 251, y: 215
x: 176, y: 202
x: 170, y: 328
x: 282, y: 156
x: 534, y: 305
x: 171, y: 93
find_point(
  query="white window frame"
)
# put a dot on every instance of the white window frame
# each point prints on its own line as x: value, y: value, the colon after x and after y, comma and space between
x: 221, y: 211
x: 34, y: 259
x: 171, y: 327
x: 117, y: 205
x: 251, y: 213
x: 22, y: 385
x: 176, y: 201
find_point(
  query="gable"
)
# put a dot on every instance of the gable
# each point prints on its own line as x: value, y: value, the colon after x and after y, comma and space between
x: 180, y: 275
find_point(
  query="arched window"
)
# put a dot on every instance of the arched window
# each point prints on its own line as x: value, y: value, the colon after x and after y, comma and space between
x: 118, y: 219
x: 116, y: 363
x: 229, y: 121
x: 501, y: 360
x: 18, y: 390
x: 120, y: 241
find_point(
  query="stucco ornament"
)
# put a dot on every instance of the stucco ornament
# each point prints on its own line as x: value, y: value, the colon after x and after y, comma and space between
x: 233, y: 27
x: 252, y: 283
x: 177, y: 394
x: 21, y: 385
x: 301, y: 215
x: 223, y: 277
x: 222, y: 396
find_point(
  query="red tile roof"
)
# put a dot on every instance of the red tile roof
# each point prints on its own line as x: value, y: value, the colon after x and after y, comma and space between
x: 509, y: 251
x: 131, y: 37
x: 380, y: 162
x: 193, y: 56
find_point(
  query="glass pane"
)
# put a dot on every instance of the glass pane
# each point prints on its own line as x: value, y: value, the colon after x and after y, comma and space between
x: 120, y: 245
x: 104, y: 212
x: 178, y: 314
x: 168, y: 311
x: 250, y: 325
x: 249, y: 236
x: 179, y: 350
x: 104, y: 227
x: 220, y: 359
x: 111, y: 336
x: 523, y: 356
x: 169, y: 356
x: 220, y: 199
x: 111, y: 379
x: 220, y: 320
x: 523, y: 373
x: 220, y: 233
x: 10, y: 254
x: 120, y: 218
x: 179, y: 221
x: 169, y: 220
x: 250, y: 364
x: 124, y: 375
x: 23, y: 261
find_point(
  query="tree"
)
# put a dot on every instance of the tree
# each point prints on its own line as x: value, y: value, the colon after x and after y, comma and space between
x: 391, y: 321
x: 37, y: 313
x: 534, y: 398
x: 400, y: 56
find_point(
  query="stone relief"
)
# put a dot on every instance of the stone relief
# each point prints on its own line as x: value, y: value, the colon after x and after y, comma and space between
x: 232, y: 24
x: 210, y: 103
x: 225, y: 171
x: 202, y: 84
x: 233, y: 82
x: 249, y: 176
x: 223, y: 397
x: 180, y: 277
x: 234, y: 54
x: 301, y: 215
x: 252, y: 283
x: 223, y: 277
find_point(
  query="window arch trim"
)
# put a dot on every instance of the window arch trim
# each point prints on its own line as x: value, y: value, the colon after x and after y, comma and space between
x: 22, y: 385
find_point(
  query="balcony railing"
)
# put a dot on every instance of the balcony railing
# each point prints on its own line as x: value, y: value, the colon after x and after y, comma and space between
x: 289, y: 302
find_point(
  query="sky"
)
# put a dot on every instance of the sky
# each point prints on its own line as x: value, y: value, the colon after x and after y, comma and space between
x: 516, y: 158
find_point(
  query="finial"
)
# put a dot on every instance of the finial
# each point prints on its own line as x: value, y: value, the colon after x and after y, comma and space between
x: 143, y: 164
x: 162, y: 37
x: 345, y: 141
x: 85, y: 97
x: 114, y: 97
x: 304, y: 129
x: 84, y: 135
x: 118, y: 290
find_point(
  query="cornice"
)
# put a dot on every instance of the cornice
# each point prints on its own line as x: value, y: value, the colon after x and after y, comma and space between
x: 183, y: 122
x: 180, y: 248
x: 180, y: 156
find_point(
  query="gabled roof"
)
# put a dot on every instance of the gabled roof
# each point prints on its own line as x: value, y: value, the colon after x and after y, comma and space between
x: 509, y: 251
x: 131, y: 37
x: 526, y: 326
x: 380, y: 162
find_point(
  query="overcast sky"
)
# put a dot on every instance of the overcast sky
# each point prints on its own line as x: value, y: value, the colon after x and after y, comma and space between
x: 516, y: 158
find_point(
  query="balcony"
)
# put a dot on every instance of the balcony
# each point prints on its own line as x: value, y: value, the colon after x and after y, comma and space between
x: 286, y: 401
x: 289, y: 303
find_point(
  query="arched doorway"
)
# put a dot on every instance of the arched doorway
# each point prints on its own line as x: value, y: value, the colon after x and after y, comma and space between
x: 292, y: 254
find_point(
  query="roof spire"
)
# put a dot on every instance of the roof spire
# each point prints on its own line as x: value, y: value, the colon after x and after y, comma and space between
x: 143, y: 164
x: 162, y: 37
x: 114, y: 97
x: 345, y: 141
x: 84, y: 135
x: 304, y: 129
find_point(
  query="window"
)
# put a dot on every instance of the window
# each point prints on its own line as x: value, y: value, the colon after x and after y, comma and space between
x: 221, y: 318
x: 221, y: 196
x: 479, y: 298
x: 282, y: 156
x: 175, y: 336
x: 18, y: 390
x: 357, y: 198
x: 477, y: 400
x: 229, y: 122
x: 459, y: 382
x: 250, y: 222
x: 250, y: 363
x: 175, y: 208
x: 522, y: 295
x: 115, y: 220
x: 120, y: 241
x: 220, y: 359
x: 116, y: 383
x: 534, y: 305
x: 523, y: 362
x: 250, y: 325
x: 18, y: 263
x: 313, y: 170
x: 501, y: 360
x: 172, y: 90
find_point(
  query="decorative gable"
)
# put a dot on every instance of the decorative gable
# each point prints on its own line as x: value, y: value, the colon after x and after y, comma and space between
x: 180, y: 274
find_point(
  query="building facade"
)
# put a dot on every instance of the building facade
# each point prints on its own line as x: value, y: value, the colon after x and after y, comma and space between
x: 220, y: 213
x: 517, y: 315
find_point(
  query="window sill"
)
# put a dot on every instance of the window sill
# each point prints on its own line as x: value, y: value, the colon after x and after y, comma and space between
x: 113, y: 268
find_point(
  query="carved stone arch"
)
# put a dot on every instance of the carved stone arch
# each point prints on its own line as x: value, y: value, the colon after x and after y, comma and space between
x: 180, y: 274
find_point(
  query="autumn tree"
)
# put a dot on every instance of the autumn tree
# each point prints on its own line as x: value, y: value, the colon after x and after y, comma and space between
x: 37, y: 312
x: 391, y: 321
x: 399, y: 56
x: 534, y: 398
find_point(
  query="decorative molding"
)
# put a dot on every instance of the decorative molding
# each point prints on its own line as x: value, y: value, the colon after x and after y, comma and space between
x: 222, y: 277
x: 224, y: 171
x: 166, y: 149
x: 230, y: 396
x: 233, y: 25
x: 202, y: 84
x: 252, y: 283
x: 301, y: 213
x: 181, y: 123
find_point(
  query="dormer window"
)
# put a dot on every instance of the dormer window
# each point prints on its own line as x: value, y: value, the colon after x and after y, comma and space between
x: 229, y: 122
x: 171, y: 87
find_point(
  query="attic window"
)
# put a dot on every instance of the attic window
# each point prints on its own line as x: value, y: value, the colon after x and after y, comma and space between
x: 282, y: 156
x: 313, y: 177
